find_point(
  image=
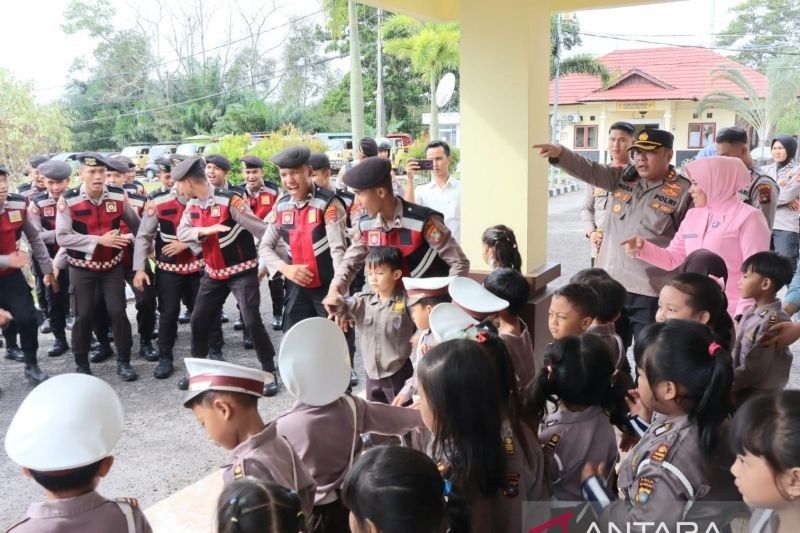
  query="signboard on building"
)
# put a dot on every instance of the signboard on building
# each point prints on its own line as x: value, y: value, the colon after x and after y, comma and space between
x: 649, y: 105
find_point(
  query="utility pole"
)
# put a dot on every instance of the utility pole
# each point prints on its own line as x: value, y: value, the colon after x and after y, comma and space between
x: 380, y: 121
x: 554, y: 122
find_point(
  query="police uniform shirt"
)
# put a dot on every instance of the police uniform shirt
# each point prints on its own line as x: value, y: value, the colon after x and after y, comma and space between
x: 520, y: 348
x: 425, y: 342
x: 35, y: 216
x: 242, y: 216
x: 145, y: 237
x: 87, y: 513
x: 758, y: 368
x: 608, y: 333
x: 651, y: 209
x: 595, y: 209
x: 37, y: 247
x: 762, y: 193
x: 786, y: 218
x: 326, y: 436
x: 436, y: 234
x: 268, y: 456
x: 764, y: 521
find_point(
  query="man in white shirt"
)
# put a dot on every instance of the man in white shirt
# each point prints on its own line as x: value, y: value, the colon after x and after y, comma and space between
x: 442, y: 193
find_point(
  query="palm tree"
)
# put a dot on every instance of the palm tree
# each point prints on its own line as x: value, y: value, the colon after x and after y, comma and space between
x: 581, y: 64
x: 431, y: 48
x: 341, y: 12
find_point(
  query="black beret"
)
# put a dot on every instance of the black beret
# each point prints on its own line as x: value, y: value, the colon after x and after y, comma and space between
x: 627, y: 127
x: 55, y: 170
x: 92, y: 159
x: 174, y: 159
x: 292, y: 157
x: 188, y: 168
x: 370, y: 172
x: 649, y: 140
x: 219, y: 160
x: 251, y: 161
x: 368, y: 147
x: 3, y: 170
x: 117, y: 165
x: 37, y: 160
x: 384, y: 146
x: 164, y: 163
x: 319, y: 160
x: 125, y: 159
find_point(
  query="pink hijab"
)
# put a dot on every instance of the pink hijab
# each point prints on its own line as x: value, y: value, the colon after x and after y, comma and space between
x: 721, y: 178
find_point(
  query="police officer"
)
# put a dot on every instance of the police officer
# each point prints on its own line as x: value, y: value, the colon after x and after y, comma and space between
x: 763, y: 190
x: 42, y: 214
x: 129, y: 173
x: 651, y: 202
x: 36, y: 185
x: 305, y: 237
x: 262, y: 196
x: 428, y: 248
x: 15, y: 295
x: 217, y: 168
x: 222, y: 222
x: 88, y: 227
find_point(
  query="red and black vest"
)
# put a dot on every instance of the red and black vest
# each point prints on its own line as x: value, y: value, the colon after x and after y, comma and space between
x: 91, y: 219
x: 264, y: 200
x: 11, y: 220
x: 225, y: 254
x: 303, y: 231
x: 137, y: 202
x: 168, y: 210
x: 419, y: 259
x: 46, y: 205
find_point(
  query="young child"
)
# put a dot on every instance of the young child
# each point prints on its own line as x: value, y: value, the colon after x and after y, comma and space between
x: 683, y: 458
x: 384, y: 325
x: 399, y: 490
x: 767, y: 468
x: 250, y: 506
x: 62, y: 436
x: 588, y: 396
x: 572, y: 310
x: 474, y: 444
x: 325, y: 423
x: 500, y: 248
x: 758, y: 368
x: 224, y: 398
x: 511, y: 285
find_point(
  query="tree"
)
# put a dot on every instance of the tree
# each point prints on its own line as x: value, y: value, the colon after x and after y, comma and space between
x: 27, y: 128
x: 305, y: 78
x: 431, y: 48
x: 576, y: 64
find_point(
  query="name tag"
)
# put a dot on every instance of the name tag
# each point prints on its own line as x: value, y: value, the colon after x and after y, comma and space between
x: 312, y: 216
x: 265, y: 200
x: 111, y: 207
x: 690, y: 236
x: 14, y: 217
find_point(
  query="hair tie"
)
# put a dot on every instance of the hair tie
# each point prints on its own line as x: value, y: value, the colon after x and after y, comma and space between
x: 448, y: 487
x: 712, y: 349
x: 481, y: 336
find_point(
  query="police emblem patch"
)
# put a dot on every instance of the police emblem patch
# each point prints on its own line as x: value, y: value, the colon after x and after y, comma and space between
x: 511, y: 488
x: 287, y: 218
x: 433, y: 233
x: 150, y: 209
x: 645, y: 489
x: 764, y: 193
x: 331, y: 216
x: 34, y: 209
x: 374, y: 238
x: 238, y: 203
x: 62, y: 206
x: 216, y: 212
x: 265, y: 199
x: 111, y: 207
x: 49, y: 211
x: 617, y: 208
x: 312, y: 216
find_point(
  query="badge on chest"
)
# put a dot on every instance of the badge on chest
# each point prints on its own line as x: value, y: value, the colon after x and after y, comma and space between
x: 216, y: 211
x: 287, y: 218
x: 49, y: 211
x: 14, y: 217
x: 312, y: 216
x: 111, y: 207
x: 374, y: 238
x: 265, y: 200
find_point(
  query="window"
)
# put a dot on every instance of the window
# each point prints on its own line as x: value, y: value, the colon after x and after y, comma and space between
x: 701, y: 134
x: 585, y: 137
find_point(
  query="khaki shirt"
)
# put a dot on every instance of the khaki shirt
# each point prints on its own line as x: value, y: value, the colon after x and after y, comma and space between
x: 652, y: 210
x: 244, y: 217
x: 758, y: 368
x: 762, y: 193
x: 520, y: 348
x: 595, y: 209
x: 764, y: 521
x: 385, y: 330
x: 144, y: 244
x: 88, y: 513
x: 37, y: 248
x: 35, y: 216
x: 786, y: 218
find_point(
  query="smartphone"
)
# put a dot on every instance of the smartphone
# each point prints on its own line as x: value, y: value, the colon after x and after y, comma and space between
x: 425, y: 164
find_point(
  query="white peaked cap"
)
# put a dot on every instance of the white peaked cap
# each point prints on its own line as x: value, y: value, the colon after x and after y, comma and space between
x: 449, y: 321
x: 474, y: 299
x: 208, y: 374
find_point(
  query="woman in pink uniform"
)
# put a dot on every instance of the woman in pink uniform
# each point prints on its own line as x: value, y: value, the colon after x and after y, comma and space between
x: 718, y: 222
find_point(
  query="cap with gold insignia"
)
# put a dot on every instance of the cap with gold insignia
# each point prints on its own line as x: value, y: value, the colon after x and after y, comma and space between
x: 55, y: 170
x: 419, y: 288
x: 251, y: 161
x: 474, y: 299
x: 192, y: 167
x: 164, y: 164
x: 448, y: 321
x: 69, y: 421
x: 291, y: 157
x: 125, y: 159
x: 218, y: 160
x: 649, y: 140
x: 116, y: 165
x: 314, y: 361
x: 370, y: 172
x: 208, y: 374
x: 92, y: 159
x: 177, y: 158
x: 319, y: 161
x: 37, y: 160
x: 3, y: 170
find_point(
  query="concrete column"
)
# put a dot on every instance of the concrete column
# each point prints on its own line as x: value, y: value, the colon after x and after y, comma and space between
x: 602, y: 137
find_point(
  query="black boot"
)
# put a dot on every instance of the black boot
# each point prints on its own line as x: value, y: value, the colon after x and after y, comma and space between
x: 164, y: 368
x: 147, y: 352
x: 223, y: 317
x: 60, y: 347
x: 353, y: 378
x: 82, y: 364
x: 45, y: 328
x: 183, y: 383
x: 239, y: 324
x: 248, y: 342
x: 124, y: 369
x: 102, y: 353
x: 277, y: 322
x: 15, y: 354
x: 215, y: 353
x: 271, y: 387
x: 185, y: 318
x: 34, y: 374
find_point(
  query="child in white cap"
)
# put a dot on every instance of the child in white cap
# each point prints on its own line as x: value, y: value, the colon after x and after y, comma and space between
x: 224, y: 398
x: 62, y: 436
x: 325, y: 423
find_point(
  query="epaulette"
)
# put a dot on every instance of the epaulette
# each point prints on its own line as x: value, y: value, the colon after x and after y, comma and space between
x: 133, y: 502
x: 24, y: 187
x: 115, y: 189
x: 39, y: 196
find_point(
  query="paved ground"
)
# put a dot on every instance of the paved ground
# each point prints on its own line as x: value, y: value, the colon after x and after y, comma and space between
x: 162, y: 447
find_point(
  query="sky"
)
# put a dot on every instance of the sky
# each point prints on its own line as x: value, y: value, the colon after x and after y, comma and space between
x: 36, y: 49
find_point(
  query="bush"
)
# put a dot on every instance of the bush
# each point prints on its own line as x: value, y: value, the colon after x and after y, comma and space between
x: 416, y: 150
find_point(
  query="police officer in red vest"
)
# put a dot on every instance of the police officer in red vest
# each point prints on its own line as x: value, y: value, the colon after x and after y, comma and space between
x: 262, y: 195
x: 42, y: 214
x: 88, y: 227
x: 221, y: 221
x: 428, y: 248
x: 305, y: 238
x: 15, y: 294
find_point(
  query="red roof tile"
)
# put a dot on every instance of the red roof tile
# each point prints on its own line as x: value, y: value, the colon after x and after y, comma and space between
x: 670, y: 73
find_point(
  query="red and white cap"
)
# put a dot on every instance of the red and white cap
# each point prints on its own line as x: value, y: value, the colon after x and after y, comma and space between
x: 419, y: 288
x: 208, y: 374
x: 470, y: 296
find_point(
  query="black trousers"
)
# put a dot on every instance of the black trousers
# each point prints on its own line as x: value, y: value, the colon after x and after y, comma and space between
x: 641, y: 311
x: 84, y: 285
x: 170, y: 287
x: 385, y: 389
x: 16, y: 298
x: 145, y: 309
x: 211, y: 296
x: 58, y: 305
x: 41, y: 289
x: 277, y: 293
x: 302, y: 303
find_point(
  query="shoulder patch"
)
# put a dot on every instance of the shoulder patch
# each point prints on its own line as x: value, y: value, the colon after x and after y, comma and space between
x: 33, y: 209
x: 764, y: 192
x: 238, y: 471
x: 150, y: 208
x: 552, y: 444
x: 272, y: 217
x: 331, y: 214
x: 432, y: 233
x: 511, y: 486
x: 62, y: 204
x: 238, y: 203
x: 644, y: 489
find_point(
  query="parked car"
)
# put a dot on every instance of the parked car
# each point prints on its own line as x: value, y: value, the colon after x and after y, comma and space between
x: 159, y: 150
x: 339, y: 152
x: 138, y: 154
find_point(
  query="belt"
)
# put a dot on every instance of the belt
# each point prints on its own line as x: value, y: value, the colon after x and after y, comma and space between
x: 181, y: 268
x: 227, y: 272
x: 100, y: 266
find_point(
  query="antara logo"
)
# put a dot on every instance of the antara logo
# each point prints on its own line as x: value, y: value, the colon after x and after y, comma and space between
x: 560, y: 524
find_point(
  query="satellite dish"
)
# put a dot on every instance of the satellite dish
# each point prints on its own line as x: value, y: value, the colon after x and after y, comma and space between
x: 444, y: 91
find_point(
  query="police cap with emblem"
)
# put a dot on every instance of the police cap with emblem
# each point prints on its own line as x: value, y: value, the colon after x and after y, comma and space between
x: 370, y: 172
x: 55, y: 170
x: 319, y: 161
x: 292, y: 157
x: 219, y: 160
x: 192, y: 167
x: 37, y: 160
x: 251, y: 161
x: 125, y: 159
x: 117, y: 165
x: 92, y: 159
x: 650, y: 140
x: 164, y: 164
x: 174, y: 159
